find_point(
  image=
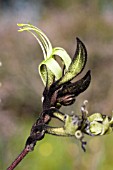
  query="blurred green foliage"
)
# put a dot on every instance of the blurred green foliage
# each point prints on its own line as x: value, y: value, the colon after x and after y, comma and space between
x: 21, y: 87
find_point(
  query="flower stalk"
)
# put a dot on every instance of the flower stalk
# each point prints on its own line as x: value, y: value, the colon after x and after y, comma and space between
x: 61, y: 91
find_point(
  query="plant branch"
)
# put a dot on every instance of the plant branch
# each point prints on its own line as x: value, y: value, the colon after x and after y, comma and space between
x: 31, y: 141
x: 25, y: 151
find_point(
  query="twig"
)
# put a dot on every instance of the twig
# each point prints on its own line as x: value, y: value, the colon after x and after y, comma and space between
x: 25, y: 151
x: 31, y: 141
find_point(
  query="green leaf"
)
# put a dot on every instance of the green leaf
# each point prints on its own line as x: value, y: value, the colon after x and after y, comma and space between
x: 77, y: 64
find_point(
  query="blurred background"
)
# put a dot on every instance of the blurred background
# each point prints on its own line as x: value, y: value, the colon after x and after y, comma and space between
x: 21, y: 87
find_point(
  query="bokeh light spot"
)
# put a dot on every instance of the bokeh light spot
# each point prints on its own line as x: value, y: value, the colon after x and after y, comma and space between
x: 46, y: 149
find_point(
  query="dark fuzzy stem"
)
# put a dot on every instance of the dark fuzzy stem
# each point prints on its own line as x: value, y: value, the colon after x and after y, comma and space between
x: 30, y: 143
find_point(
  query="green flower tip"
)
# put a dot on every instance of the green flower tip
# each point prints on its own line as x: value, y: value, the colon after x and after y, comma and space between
x: 49, y: 68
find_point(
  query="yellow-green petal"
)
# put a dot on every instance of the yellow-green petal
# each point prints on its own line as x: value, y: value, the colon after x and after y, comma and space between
x: 58, y: 51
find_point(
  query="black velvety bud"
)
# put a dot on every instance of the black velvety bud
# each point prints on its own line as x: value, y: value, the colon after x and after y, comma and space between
x: 66, y: 95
